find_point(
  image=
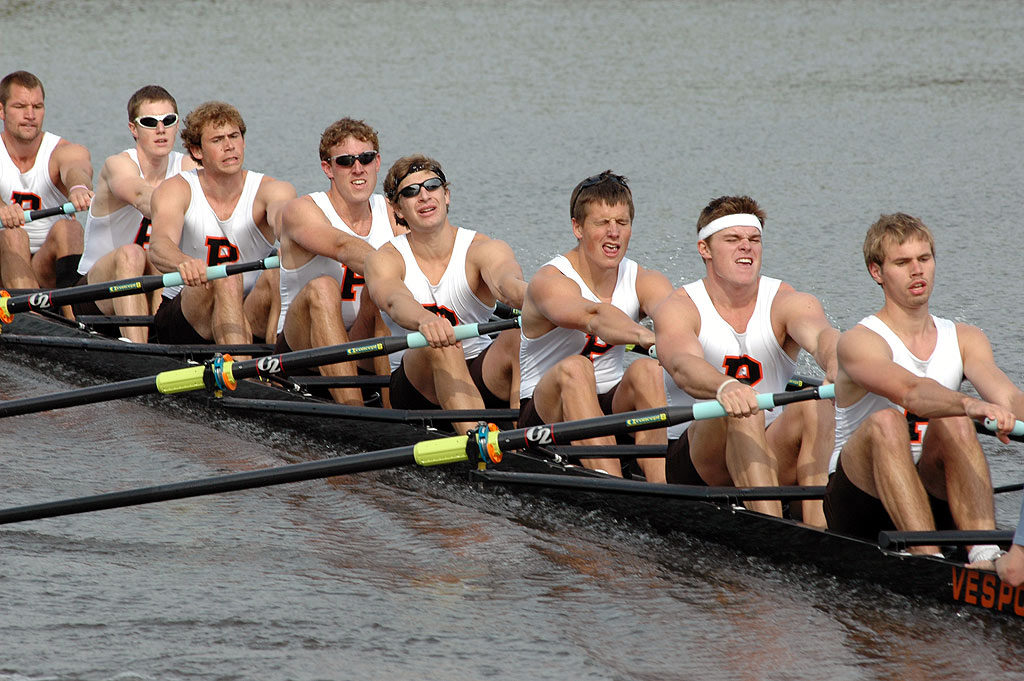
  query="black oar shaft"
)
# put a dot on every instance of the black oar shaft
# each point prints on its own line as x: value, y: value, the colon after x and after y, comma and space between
x: 895, y: 539
x: 111, y: 391
x: 356, y: 463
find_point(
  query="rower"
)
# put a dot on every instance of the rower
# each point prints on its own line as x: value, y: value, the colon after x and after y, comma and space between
x: 433, y: 278
x: 581, y: 309
x: 38, y: 170
x: 906, y: 453
x: 325, y: 239
x: 219, y: 213
x: 117, y: 229
x: 729, y: 336
x: 1011, y: 566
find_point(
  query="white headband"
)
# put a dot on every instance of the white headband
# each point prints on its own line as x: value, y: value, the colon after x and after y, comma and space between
x: 727, y: 221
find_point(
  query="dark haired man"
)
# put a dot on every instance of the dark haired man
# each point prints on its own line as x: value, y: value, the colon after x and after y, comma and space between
x: 435, y: 277
x: 219, y: 213
x: 728, y: 336
x: 38, y: 170
x: 581, y: 310
x: 117, y: 230
x: 906, y: 453
x: 325, y: 240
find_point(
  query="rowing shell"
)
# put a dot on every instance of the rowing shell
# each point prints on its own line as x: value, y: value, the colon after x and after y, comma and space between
x: 713, y: 514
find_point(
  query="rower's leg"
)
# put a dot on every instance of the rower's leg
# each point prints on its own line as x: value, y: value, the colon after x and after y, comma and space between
x: 501, y: 367
x: 568, y: 392
x: 263, y: 305
x: 877, y: 460
x: 750, y: 460
x: 643, y: 387
x: 314, y: 321
x: 215, y: 311
x: 66, y: 238
x: 801, y: 440
x: 953, y: 467
x: 442, y: 376
x: 16, y: 260
x: 127, y: 262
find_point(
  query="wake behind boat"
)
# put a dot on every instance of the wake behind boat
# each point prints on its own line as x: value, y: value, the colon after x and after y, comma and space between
x: 714, y: 514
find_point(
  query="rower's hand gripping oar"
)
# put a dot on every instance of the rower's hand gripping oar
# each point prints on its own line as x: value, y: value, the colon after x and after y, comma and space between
x: 489, y: 443
x: 223, y: 373
x: 41, y: 300
x: 428, y: 453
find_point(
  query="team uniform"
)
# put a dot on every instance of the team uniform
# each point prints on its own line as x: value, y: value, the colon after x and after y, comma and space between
x: 538, y: 355
x: 352, y: 284
x: 33, y: 189
x: 849, y: 509
x: 754, y: 357
x: 107, y: 233
x: 217, y: 242
x: 451, y: 298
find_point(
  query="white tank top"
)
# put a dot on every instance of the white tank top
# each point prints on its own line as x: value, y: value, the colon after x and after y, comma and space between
x: 451, y: 297
x: 218, y: 242
x: 32, y: 190
x: 125, y: 225
x: 754, y: 356
x: 538, y: 355
x: 946, y: 366
x: 351, y: 283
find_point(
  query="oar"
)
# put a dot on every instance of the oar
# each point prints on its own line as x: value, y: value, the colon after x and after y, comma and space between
x: 426, y: 453
x: 990, y: 427
x: 41, y: 300
x: 894, y: 539
x: 67, y: 209
x: 224, y: 373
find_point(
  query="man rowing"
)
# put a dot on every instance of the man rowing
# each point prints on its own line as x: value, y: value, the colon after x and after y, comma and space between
x: 1011, y: 565
x: 433, y: 278
x: 117, y: 230
x: 325, y: 240
x: 728, y: 336
x: 219, y: 213
x: 38, y: 170
x: 581, y: 309
x: 906, y: 453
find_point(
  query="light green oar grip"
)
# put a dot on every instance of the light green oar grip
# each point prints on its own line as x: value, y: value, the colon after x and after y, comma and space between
x: 441, y: 451
x: 713, y: 410
x: 180, y: 380
x: 462, y: 332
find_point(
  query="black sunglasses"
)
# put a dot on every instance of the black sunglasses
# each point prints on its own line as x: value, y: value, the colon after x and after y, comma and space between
x: 349, y: 160
x: 592, y: 181
x: 409, y: 191
x: 151, y: 121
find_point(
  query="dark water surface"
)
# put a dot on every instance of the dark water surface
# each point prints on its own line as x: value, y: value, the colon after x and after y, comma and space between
x: 828, y: 113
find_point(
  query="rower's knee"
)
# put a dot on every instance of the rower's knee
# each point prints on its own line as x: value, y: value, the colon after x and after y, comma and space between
x: 887, y: 426
x: 228, y: 287
x: 129, y: 261
x: 67, y: 236
x: 324, y: 295
x: 956, y: 432
x: 14, y: 240
x: 574, y: 371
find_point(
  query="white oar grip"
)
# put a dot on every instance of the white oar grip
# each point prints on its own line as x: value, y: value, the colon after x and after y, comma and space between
x: 1018, y: 427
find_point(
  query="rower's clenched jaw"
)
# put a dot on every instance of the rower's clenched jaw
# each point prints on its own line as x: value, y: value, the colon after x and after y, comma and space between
x: 604, y: 234
x: 222, y: 148
x: 734, y: 253
x: 354, y: 183
x: 23, y: 113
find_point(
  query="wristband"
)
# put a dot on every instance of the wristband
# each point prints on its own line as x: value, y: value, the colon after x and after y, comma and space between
x: 718, y: 393
x: 77, y: 186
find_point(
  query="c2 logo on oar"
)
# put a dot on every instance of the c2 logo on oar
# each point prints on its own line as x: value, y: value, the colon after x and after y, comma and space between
x: 39, y: 301
x: 269, y: 365
x: 539, y: 435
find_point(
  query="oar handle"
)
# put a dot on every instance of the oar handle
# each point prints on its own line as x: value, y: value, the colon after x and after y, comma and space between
x: 712, y: 409
x: 67, y: 209
x: 222, y: 271
x: 1018, y: 427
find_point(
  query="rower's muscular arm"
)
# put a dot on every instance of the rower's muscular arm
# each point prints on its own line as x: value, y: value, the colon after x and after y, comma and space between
x: 981, y: 370
x: 271, y: 199
x: 499, y: 269
x: 557, y: 299
x: 866, y: 360
x: 677, y: 324
x: 804, y: 321
x: 384, y: 275
x: 304, y: 227
x: 169, y: 202
x: 71, y: 165
x: 652, y: 288
x: 121, y: 176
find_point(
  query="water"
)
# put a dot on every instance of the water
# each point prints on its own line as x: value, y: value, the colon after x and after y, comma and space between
x: 827, y: 113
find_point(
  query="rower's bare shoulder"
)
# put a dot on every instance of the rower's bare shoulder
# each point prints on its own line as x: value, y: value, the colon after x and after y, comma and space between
x: 861, y: 342
x: 272, y: 189
x: 173, y: 190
